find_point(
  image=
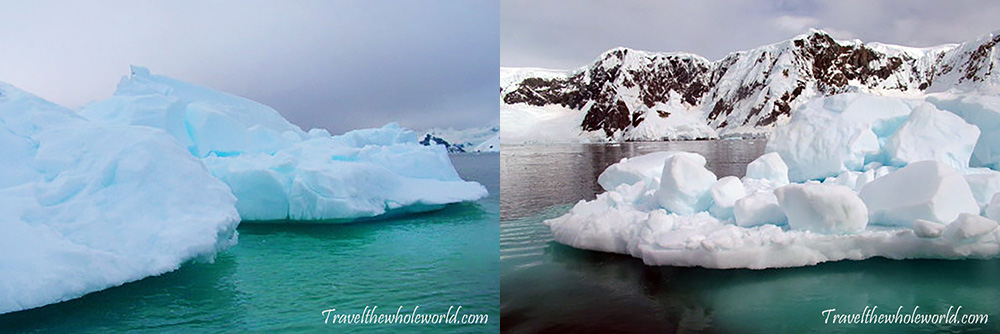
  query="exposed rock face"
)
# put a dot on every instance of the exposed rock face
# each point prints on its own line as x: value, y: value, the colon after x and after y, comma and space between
x: 430, y: 139
x: 752, y: 91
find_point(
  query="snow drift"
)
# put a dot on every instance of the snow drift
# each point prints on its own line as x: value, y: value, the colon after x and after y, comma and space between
x: 85, y: 206
x: 872, y: 176
x: 276, y: 170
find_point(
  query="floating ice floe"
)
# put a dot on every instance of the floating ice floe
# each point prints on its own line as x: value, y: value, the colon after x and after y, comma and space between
x: 87, y: 206
x: 276, y: 170
x: 871, y: 176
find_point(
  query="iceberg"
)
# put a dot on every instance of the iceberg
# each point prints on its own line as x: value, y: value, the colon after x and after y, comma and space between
x: 850, y: 177
x: 846, y: 132
x: 87, y: 206
x: 276, y: 170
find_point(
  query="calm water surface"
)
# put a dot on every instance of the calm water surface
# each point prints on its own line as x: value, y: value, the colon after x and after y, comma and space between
x: 550, y: 288
x: 279, y: 278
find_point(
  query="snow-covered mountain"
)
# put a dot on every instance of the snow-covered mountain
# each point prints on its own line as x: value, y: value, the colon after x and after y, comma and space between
x: 637, y: 95
x: 464, y: 140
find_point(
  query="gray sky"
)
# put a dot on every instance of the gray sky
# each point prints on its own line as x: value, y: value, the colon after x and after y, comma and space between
x: 333, y: 64
x: 571, y: 34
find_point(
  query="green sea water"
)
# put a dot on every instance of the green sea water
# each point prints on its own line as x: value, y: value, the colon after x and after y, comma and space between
x: 281, y: 277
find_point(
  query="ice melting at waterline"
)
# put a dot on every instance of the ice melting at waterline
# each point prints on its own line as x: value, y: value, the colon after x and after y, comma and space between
x: 276, y: 170
x: 850, y: 177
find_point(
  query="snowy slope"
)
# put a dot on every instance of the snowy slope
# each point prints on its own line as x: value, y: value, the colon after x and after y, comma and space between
x: 276, y: 170
x: 461, y: 140
x: 86, y: 206
x: 490, y: 145
x: 746, y: 92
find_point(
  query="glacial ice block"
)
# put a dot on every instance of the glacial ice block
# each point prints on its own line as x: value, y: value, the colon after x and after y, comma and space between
x: 833, y: 134
x: 758, y: 209
x: 931, y: 134
x: 87, y: 206
x: 928, y: 190
x: 983, y: 111
x: 822, y: 208
x: 725, y: 192
x: 647, y: 167
x: 685, y: 184
x: 768, y: 167
x: 276, y: 170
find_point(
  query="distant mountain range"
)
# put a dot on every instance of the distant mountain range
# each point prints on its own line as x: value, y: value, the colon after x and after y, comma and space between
x: 629, y: 94
x: 478, y: 139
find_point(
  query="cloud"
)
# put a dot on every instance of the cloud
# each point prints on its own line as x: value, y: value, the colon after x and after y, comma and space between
x: 334, y: 64
x: 795, y: 24
x: 570, y: 34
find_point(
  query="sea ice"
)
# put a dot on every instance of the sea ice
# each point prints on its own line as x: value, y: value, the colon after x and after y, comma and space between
x: 89, y: 206
x: 276, y: 170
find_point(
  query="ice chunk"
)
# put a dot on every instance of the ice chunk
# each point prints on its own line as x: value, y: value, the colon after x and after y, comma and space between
x: 983, y: 111
x: 724, y: 194
x: 931, y: 134
x: 927, y: 229
x: 87, y: 206
x: 758, y: 209
x: 685, y: 183
x: 984, y: 184
x: 969, y: 226
x: 276, y: 170
x: 993, y: 209
x: 822, y: 208
x: 927, y: 190
x: 768, y: 167
x: 645, y: 168
x: 829, y: 135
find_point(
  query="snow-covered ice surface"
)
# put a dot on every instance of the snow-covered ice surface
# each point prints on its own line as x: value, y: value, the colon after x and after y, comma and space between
x: 276, y: 170
x: 87, y: 206
x: 872, y: 176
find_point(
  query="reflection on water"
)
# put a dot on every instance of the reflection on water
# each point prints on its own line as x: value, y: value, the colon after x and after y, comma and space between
x: 548, y: 287
x: 537, y: 176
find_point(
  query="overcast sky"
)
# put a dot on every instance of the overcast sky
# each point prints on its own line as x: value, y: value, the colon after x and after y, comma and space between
x: 333, y: 64
x: 571, y: 34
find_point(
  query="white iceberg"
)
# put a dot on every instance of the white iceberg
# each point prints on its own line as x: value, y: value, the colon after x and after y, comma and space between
x: 86, y: 206
x: 896, y: 183
x: 276, y: 170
